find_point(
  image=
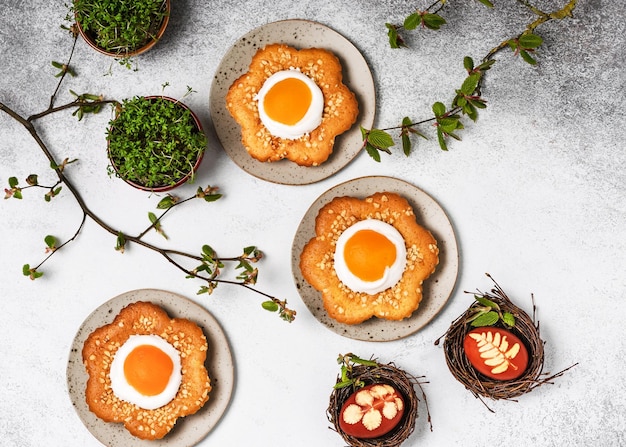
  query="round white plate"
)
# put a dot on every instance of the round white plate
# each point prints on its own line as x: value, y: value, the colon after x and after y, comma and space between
x: 189, y: 430
x: 298, y: 34
x: 436, y: 289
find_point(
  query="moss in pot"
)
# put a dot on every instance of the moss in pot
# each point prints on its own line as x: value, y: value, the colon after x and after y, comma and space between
x: 121, y: 28
x: 155, y: 143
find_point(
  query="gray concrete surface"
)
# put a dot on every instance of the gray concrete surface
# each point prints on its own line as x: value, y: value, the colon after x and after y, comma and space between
x: 535, y: 191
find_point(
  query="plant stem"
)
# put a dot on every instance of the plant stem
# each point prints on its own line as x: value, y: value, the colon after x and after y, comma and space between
x: 28, y: 124
x: 542, y: 18
x: 67, y: 64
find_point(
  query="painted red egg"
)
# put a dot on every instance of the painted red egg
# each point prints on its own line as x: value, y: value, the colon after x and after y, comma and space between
x: 372, y: 411
x: 496, y: 353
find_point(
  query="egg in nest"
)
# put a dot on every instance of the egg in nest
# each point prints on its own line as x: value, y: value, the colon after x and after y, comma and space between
x: 290, y: 104
x: 146, y: 371
x: 370, y: 256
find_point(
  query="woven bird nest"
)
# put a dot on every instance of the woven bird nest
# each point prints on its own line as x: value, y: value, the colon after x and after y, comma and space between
x: 357, y: 373
x: 524, y: 327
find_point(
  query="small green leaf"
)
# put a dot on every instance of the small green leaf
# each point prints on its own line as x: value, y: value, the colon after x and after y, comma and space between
x: 166, y: 202
x: 470, y: 111
x: 478, y: 103
x: 486, y: 65
x: 406, y: 140
x: 406, y: 144
x: 433, y: 21
x: 13, y: 182
x: 439, y: 109
x: 486, y: 319
x: 343, y: 384
x: 448, y: 125
x: 394, y: 40
x: 372, y: 152
x: 468, y: 63
x: 486, y: 302
x: 486, y: 3
x: 508, y: 319
x: 208, y: 289
x: 208, y: 251
x: 364, y: 362
x: 152, y: 217
x: 32, y: 273
x: 50, y: 241
x: 270, y: 306
x: 412, y: 21
x: 212, y: 197
x: 380, y: 138
x: 441, y: 139
x: 244, y: 265
x: 470, y: 84
x: 527, y: 57
x: 120, y: 242
x: 530, y: 41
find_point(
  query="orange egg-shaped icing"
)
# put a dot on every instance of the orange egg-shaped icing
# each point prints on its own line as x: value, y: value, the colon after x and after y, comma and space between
x: 288, y: 101
x: 148, y: 369
x: 368, y: 254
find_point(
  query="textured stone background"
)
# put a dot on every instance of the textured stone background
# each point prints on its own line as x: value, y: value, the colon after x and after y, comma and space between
x: 535, y: 191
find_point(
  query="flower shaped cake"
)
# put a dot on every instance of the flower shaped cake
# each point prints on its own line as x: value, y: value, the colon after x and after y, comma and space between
x: 101, y: 347
x: 317, y: 260
x: 339, y: 112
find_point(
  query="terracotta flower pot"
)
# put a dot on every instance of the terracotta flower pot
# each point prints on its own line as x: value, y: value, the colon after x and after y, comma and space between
x: 178, y: 182
x: 90, y: 37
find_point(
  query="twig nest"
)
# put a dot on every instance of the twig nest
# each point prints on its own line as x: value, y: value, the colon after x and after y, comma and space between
x: 521, y: 338
x: 378, y: 408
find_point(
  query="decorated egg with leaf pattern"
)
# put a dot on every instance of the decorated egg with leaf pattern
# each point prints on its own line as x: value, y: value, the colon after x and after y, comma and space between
x: 496, y: 353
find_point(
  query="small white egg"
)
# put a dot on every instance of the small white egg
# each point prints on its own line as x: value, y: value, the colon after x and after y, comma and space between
x: 293, y: 110
x: 369, y: 255
x: 120, y: 374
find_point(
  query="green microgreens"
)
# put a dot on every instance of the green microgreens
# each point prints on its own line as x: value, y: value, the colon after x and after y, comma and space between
x: 154, y: 142
x: 347, y: 362
x: 468, y: 99
x: 119, y: 27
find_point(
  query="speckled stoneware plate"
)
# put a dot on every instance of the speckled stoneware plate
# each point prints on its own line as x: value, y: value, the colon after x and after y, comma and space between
x: 436, y: 289
x: 298, y: 34
x: 189, y: 430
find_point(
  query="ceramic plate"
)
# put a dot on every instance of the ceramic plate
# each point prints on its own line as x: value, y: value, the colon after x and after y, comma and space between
x: 189, y: 430
x: 298, y: 34
x: 437, y: 288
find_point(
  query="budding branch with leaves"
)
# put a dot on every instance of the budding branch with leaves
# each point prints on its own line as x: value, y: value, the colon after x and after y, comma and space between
x: 467, y: 100
x: 208, y: 265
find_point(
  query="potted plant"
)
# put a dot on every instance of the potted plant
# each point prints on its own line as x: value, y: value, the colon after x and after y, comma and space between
x: 155, y: 143
x: 121, y: 28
